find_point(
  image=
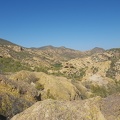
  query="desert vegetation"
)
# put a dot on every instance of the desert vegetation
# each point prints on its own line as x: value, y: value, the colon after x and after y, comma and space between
x: 10, y: 65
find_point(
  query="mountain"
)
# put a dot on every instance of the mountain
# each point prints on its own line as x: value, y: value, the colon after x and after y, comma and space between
x: 5, y: 42
x: 43, y: 56
x: 97, y: 50
x: 36, y: 58
x: 94, y: 51
x: 59, y: 53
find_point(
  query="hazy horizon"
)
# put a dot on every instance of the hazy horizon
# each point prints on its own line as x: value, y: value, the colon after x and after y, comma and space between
x: 76, y: 24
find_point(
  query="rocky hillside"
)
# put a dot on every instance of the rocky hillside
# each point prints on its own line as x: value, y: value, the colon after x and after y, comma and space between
x: 95, y: 50
x: 60, y: 53
x: 37, y: 59
x: 20, y: 90
x: 59, y: 83
x: 105, y: 64
x: 90, y: 109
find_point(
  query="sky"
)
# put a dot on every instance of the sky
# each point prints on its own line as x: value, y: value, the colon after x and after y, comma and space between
x: 76, y: 24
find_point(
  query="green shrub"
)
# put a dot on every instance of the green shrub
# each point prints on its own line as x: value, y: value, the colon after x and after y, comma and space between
x: 58, y: 73
x: 94, y: 69
x: 49, y: 95
x: 57, y: 66
x: 39, y: 86
x: 111, y: 71
x: 78, y: 75
x: 42, y: 69
x: 99, y: 91
x: 10, y: 65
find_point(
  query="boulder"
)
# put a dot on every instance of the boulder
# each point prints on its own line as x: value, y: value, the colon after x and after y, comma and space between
x: 59, y: 88
x: 96, y: 108
x: 63, y: 110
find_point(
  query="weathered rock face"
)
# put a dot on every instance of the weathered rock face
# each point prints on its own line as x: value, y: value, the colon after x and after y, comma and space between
x: 59, y: 88
x: 110, y: 107
x: 90, y: 109
x: 16, y: 48
x: 20, y: 92
x: 61, y: 110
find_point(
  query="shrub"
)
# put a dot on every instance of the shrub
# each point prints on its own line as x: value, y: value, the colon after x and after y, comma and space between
x: 78, y: 75
x: 111, y: 71
x: 99, y: 91
x: 49, y: 95
x: 39, y: 86
x: 42, y: 69
x: 57, y: 66
x: 94, y: 69
x: 10, y: 65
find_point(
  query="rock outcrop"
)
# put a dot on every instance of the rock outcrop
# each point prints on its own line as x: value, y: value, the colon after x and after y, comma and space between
x: 90, y: 109
x: 59, y: 88
x: 62, y: 110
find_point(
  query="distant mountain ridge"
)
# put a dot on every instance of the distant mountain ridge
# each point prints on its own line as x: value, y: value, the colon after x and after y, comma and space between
x: 5, y: 42
x: 44, y: 56
x: 97, y: 49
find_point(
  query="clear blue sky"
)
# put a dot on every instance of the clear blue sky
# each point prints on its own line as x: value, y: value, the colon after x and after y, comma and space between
x: 77, y: 24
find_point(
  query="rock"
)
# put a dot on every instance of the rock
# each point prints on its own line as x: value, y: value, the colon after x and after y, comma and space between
x: 90, y: 109
x: 24, y: 75
x: 59, y: 88
x: 110, y: 107
x: 15, y: 48
x: 63, y: 110
x: 83, y: 90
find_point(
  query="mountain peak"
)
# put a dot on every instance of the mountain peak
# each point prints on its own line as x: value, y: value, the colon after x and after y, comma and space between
x: 5, y: 42
x: 97, y: 50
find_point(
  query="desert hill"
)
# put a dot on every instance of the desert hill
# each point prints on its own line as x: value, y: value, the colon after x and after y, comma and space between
x: 58, y: 79
x: 6, y: 42
x: 38, y: 59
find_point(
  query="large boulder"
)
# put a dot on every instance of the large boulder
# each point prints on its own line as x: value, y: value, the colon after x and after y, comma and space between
x: 59, y: 88
x: 96, y: 108
x: 49, y: 86
x: 63, y: 110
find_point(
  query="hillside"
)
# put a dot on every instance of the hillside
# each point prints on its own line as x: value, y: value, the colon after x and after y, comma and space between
x: 5, y: 42
x: 62, y: 53
x: 59, y: 80
x: 39, y: 59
